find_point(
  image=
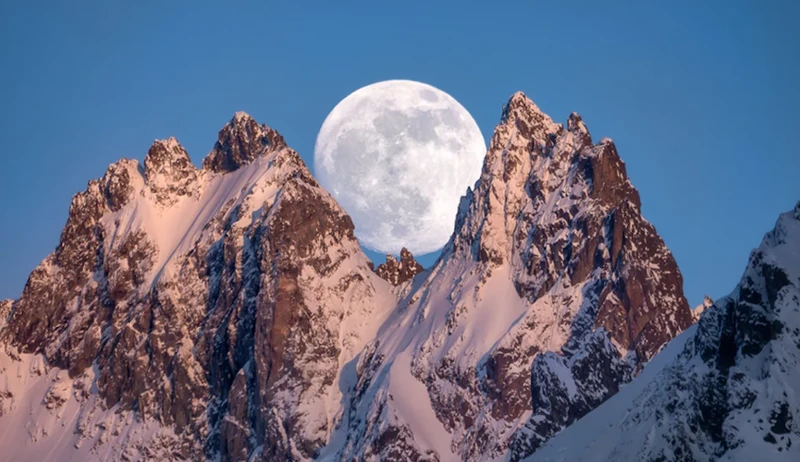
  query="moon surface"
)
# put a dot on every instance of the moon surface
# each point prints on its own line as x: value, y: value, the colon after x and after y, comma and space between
x: 398, y: 155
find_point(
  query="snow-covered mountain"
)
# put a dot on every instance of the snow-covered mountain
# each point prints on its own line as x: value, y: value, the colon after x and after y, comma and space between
x: 726, y: 389
x: 551, y: 293
x: 191, y: 312
x: 229, y: 313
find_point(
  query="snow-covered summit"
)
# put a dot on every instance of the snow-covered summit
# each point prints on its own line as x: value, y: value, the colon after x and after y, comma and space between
x: 524, y: 115
x: 575, y: 124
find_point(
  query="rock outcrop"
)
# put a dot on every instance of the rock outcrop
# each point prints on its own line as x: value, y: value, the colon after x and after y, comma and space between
x: 5, y: 311
x: 699, y: 309
x: 399, y: 271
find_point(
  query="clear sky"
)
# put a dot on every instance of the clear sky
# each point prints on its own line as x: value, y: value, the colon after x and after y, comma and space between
x: 701, y: 97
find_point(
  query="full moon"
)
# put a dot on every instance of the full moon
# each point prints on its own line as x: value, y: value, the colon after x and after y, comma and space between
x: 398, y: 155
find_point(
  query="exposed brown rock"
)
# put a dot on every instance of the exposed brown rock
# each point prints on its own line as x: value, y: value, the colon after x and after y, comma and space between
x: 241, y: 141
x: 399, y: 271
x: 169, y: 172
x: 5, y: 311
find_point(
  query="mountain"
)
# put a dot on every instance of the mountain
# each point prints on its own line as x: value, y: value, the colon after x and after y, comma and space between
x: 723, y: 390
x: 228, y: 312
x: 191, y: 312
x: 551, y: 293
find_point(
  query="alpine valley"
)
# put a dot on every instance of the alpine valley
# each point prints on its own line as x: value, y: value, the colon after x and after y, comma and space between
x: 228, y: 313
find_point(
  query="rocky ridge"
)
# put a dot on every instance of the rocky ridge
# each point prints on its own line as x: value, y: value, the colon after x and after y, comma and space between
x: 399, y: 271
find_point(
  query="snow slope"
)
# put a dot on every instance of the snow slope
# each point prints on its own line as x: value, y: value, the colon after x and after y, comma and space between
x: 53, y: 418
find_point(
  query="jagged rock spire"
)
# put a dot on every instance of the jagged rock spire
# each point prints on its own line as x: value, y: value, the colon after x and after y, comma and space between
x: 166, y: 159
x: 169, y: 171
x: 708, y: 302
x: 116, y: 184
x: 239, y: 142
x: 399, y: 271
x: 523, y: 114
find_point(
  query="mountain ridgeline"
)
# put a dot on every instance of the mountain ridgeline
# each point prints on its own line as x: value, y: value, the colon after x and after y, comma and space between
x: 229, y: 313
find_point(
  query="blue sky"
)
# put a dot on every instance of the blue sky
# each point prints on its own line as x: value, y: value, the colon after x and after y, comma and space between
x: 700, y: 97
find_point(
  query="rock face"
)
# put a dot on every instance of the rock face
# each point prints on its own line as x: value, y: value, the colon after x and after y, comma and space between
x: 729, y: 390
x: 5, y: 311
x: 552, y: 292
x: 240, y: 142
x: 229, y: 313
x: 399, y: 271
x: 698, y: 310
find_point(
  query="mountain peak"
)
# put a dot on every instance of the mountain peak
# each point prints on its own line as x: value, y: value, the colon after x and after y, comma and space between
x: 169, y: 143
x: 239, y: 142
x: 517, y: 101
x: 223, y: 306
x: 116, y: 183
x: 240, y: 116
x: 163, y: 157
x: 168, y: 170
x: 519, y: 97
x: 575, y: 124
